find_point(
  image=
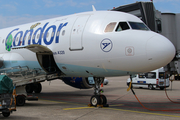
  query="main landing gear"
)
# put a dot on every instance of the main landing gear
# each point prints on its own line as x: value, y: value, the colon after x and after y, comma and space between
x: 98, y: 99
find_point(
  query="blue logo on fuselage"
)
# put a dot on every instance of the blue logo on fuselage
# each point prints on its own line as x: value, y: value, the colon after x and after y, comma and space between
x: 106, y: 45
x: 20, y: 36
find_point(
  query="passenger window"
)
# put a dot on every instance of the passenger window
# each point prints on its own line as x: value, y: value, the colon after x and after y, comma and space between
x: 122, y: 26
x: 38, y: 36
x: 63, y: 32
x: 25, y: 37
x: 110, y: 27
x: 47, y: 35
x: 150, y: 75
x: 29, y: 37
x: 42, y: 35
x: 52, y: 34
x: 33, y: 36
x: 57, y: 34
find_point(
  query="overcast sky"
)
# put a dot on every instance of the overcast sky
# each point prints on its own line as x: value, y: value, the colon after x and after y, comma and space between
x: 15, y: 12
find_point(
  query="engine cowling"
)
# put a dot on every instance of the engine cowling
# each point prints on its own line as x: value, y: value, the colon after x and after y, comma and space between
x: 77, y: 82
x: 8, y: 60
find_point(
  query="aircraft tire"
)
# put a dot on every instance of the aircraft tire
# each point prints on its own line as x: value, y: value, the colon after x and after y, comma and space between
x: 103, y: 100
x: 95, y: 100
x: 37, y: 87
x: 20, y: 100
x: 29, y: 88
x: 6, y: 114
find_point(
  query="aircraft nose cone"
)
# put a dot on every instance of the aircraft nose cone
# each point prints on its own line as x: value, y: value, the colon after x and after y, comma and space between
x: 160, y: 51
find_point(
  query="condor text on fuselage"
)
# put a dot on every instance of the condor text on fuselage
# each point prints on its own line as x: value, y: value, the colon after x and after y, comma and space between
x: 41, y: 32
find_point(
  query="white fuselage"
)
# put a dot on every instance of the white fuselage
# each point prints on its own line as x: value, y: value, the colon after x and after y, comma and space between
x: 81, y: 46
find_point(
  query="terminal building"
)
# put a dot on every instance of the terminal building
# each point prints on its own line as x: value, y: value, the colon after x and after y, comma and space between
x: 166, y: 24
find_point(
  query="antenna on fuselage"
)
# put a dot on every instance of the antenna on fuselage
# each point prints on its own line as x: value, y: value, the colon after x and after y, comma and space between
x: 94, y: 9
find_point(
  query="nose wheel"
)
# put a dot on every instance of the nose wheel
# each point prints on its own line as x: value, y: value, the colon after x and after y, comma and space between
x: 98, y: 99
x: 95, y: 100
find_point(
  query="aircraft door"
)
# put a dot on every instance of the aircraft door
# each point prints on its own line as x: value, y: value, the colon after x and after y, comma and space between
x: 77, y: 33
x: 48, y: 63
x: 45, y: 58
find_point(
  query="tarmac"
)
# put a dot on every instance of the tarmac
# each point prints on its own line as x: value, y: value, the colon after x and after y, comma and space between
x: 58, y: 101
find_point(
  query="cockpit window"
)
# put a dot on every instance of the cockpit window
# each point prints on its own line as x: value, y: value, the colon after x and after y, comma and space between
x: 138, y: 26
x: 122, y: 26
x: 110, y: 27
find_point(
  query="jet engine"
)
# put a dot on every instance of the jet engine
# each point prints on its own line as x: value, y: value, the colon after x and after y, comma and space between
x: 77, y: 82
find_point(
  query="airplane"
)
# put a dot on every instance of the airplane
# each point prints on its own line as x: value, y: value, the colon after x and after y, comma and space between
x: 84, y: 48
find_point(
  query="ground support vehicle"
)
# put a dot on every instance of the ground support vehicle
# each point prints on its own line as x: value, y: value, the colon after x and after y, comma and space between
x: 7, y: 96
x: 154, y: 79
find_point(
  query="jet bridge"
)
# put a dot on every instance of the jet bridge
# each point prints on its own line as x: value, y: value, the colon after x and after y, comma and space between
x: 166, y: 24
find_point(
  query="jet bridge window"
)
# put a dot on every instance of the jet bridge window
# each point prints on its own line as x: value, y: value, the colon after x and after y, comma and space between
x: 138, y: 26
x: 122, y: 26
x: 110, y: 27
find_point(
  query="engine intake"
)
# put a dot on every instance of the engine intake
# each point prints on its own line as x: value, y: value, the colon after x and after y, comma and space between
x: 77, y: 82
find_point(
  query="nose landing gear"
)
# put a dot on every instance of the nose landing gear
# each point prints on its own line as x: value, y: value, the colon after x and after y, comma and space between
x: 98, y: 99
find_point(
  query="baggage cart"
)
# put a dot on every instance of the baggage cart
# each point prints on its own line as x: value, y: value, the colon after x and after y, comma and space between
x: 7, y: 96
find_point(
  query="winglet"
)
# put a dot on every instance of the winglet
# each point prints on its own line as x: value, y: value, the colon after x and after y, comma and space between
x: 94, y: 9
